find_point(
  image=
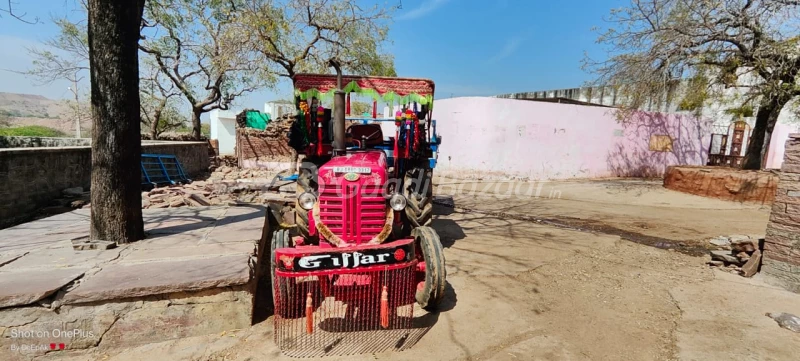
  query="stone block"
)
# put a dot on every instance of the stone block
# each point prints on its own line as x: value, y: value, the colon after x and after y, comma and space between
x: 781, y: 273
x: 723, y: 183
x: 782, y: 251
x: 186, y: 317
x: 776, y: 257
x: 782, y: 237
x: 23, y: 288
x: 125, y: 281
x: 782, y: 196
x: 751, y: 267
x: 779, y: 207
x: 792, y: 220
x: 149, y: 319
x: 788, y: 177
x: 790, y: 168
x: 793, y: 208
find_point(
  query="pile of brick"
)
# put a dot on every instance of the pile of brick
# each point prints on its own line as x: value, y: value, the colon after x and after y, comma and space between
x: 227, y: 185
x: 278, y: 128
x: 194, y: 194
x: 231, y: 172
x: 740, y: 254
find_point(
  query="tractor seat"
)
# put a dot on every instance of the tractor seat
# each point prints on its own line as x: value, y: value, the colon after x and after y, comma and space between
x: 371, y: 131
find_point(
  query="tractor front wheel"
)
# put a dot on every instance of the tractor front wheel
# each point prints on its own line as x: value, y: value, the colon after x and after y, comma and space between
x: 431, y: 274
x: 280, y: 239
x: 418, y: 190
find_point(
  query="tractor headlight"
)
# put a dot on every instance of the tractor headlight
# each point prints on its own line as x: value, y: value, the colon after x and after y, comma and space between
x: 397, y: 202
x: 306, y: 200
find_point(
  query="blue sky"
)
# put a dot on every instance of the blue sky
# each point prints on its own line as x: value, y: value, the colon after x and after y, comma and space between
x: 468, y: 47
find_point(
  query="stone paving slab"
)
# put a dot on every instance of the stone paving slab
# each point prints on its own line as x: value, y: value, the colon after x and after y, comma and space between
x: 179, y: 225
x: 11, y: 256
x: 206, y: 213
x: 62, y: 257
x: 167, y: 240
x: 186, y: 249
x: 239, y: 224
x: 44, y: 232
x: 123, y: 281
x: 200, y: 251
x: 23, y: 288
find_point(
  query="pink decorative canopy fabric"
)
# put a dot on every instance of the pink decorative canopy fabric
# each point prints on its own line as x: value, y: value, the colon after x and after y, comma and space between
x: 382, y: 85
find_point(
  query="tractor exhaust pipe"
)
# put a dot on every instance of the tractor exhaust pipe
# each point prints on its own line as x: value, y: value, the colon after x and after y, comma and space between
x: 338, y: 111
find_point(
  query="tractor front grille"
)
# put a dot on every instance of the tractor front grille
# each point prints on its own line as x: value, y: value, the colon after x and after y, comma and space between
x: 354, y: 212
x: 345, y: 311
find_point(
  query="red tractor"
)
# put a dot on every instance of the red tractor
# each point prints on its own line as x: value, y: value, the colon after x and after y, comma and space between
x: 361, y: 251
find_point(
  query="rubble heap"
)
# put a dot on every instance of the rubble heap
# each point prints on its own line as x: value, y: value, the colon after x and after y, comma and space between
x: 737, y: 253
x: 278, y: 128
x: 227, y: 185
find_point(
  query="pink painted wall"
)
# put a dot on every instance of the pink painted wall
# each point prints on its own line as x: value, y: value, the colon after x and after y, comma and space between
x: 492, y: 137
x: 778, y: 143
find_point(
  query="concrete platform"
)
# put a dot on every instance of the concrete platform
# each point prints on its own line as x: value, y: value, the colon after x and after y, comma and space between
x: 194, y: 274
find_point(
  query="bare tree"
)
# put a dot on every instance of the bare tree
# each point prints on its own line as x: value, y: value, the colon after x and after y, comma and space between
x: 296, y: 36
x: 113, y: 34
x: 199, y: 47
x: 750, y: 44
x: 158, y: 108
x: 9, y: 9
x: 64, y: 57
x: 304, y: 35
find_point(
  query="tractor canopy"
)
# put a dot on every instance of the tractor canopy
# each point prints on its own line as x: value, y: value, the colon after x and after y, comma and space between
x: 388, y: 89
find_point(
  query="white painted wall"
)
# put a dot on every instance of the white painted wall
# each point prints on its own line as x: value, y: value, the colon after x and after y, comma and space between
x: 223, y: 129
x: 276, y: 110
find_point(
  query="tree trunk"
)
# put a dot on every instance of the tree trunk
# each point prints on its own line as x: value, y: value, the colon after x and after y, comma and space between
x: 157, y: 119
x: 766, y: 118
x: 196, y: 123
x: 116, y: 212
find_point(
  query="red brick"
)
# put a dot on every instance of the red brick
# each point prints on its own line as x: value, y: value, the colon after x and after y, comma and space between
x: 264, y: 148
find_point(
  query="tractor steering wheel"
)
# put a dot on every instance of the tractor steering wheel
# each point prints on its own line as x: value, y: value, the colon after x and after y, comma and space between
x: 371, y: 136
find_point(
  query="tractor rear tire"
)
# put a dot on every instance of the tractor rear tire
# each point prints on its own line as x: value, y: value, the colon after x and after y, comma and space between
x: 432, y: 293
x: 418, y: 190
x: 304, y: 179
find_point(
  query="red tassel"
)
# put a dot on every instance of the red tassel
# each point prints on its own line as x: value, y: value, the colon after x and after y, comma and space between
x: 385, y: 308
x: 374, y: 109
x: 309, y: 314
x: 347, y: 108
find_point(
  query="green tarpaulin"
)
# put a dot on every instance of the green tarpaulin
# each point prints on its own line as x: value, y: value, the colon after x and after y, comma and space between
x: 257, y: 120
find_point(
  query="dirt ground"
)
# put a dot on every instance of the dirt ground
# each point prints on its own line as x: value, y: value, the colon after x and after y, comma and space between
x: 529, y: 279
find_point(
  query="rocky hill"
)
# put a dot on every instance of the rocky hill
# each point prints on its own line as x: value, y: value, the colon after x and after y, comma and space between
x: 30, y: 109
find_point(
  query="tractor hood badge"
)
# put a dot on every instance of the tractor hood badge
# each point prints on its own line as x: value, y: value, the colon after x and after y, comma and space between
x: 351, y: 177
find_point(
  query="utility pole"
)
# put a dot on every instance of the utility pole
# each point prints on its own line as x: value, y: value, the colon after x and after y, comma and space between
x: 74, y: 89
